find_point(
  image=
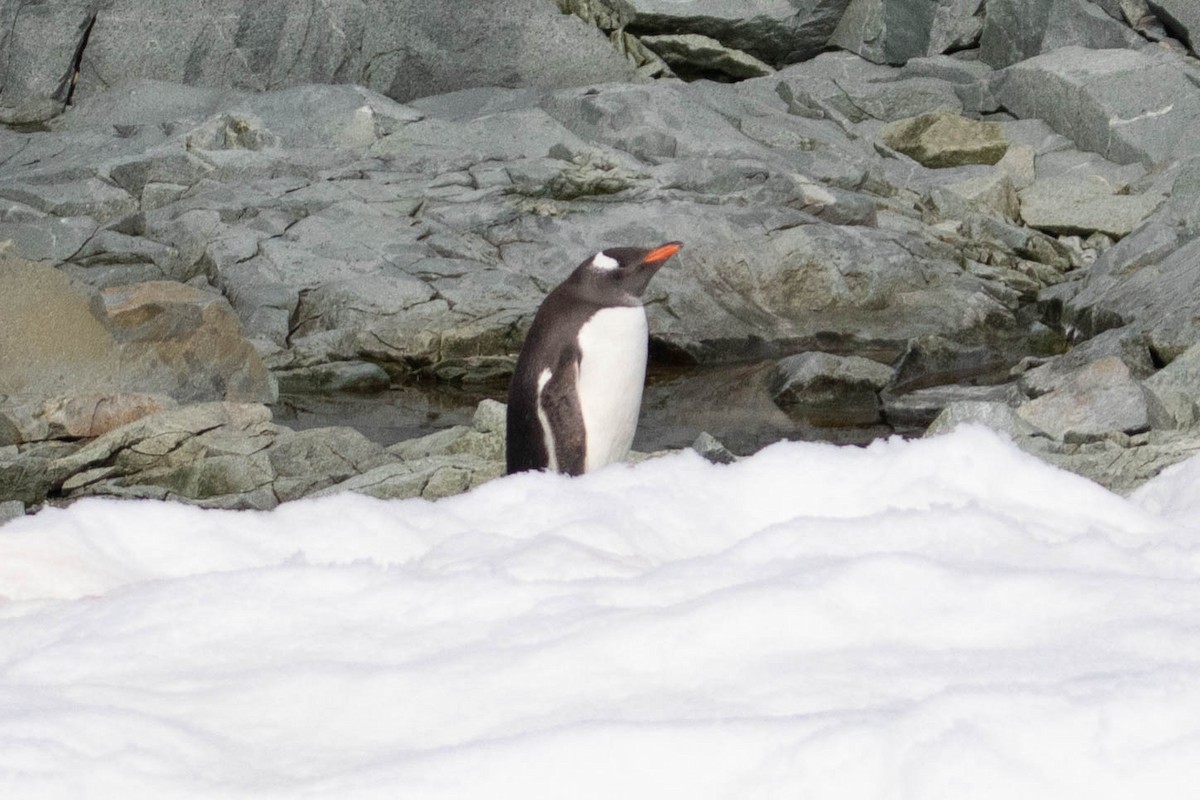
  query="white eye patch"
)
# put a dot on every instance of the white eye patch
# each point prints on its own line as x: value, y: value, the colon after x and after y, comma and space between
x: 601, y: 261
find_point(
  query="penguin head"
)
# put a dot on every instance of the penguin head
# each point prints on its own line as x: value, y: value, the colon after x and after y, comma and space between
x: 620, y: 275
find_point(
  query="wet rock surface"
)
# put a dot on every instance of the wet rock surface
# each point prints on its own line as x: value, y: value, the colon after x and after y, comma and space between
x: 983, y: 206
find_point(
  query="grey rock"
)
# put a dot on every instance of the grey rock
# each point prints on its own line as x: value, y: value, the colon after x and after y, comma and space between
x: 712, y: 450
x: 1122, y: 467
x: 693, y: 54
x: 24, y: 477
x: 432, y: 478
x: 393, y: 47
x: 775, y: 31
x: 338, y: 376
x: 1177, y: 387
x: 932, y: 360
x: 1014, y: 30
x: 48, y: 239
x: 173, y: 437
x: 307, y: 461
x: 10, y: 434
x: 458, y: 440
x: 1130, y: 346
x: 893, y: 31
x: 10, y: 510
x: 90, y: 197
x: 40, y: 46
x: 1097, y: 400
x: 946, y: 140
x: 1181, y: 18
x: 829, y: 390
x: 490, y: 417
x: 914, y: 411
x: 993, y: 414
x: 1127, y: 106
x: 1147, y: 280
x: 1068, y: 205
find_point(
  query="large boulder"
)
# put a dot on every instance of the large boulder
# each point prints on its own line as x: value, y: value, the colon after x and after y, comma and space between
x: 73, y: 49
x: 776, y: 31
x: 1125, y: 105
x: 1099, y: 399
x: 894, y: 31
x: 184, y: 342
x: 1014, y: 30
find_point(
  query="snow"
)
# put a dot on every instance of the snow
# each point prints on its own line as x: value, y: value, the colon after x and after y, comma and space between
x: 941, y: 618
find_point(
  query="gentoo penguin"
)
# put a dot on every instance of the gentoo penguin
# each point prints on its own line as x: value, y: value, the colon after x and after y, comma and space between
x: 574, y: 399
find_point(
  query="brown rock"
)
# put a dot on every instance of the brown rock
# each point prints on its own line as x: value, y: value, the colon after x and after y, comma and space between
x: 184, y: 342
x: 91, y: 415
x: 943, y: 139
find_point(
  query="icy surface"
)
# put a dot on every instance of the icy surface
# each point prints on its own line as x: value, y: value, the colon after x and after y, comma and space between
x: 945, y: 618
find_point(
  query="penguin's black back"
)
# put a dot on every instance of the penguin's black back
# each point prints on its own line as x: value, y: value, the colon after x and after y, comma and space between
x: 552, y: 343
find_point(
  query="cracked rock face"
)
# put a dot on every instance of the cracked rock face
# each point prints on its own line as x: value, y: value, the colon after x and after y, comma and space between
x: 75, y: 49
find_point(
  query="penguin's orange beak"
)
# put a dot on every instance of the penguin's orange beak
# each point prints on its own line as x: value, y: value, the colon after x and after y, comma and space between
x: 660, y: 254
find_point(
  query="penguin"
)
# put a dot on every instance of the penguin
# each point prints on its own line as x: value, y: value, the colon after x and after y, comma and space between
x: 574, y: 398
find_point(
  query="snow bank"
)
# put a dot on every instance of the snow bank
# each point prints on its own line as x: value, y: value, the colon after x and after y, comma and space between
x: 938, y: 618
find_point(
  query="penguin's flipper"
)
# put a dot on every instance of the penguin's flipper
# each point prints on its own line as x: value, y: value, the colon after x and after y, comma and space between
x: 559, y: 401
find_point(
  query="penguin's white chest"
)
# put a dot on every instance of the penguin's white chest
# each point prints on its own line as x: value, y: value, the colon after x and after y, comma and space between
x: 612, y: 370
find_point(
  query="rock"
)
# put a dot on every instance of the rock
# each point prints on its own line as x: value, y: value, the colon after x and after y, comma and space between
x: 340, y: 376
x: 41, y: 46
x: 1127, y: 106
x: 25, y: 477
x: 913, y: 412
x: 90, y: 197
x: 712, y: 450
x: 992, y: 414
x: 1181, y: 18
x: 10, y: 510
x: 171, y: 438
x: 88, y: 416
x: 993, y: 194
x: 932, y: 360
x: 776, y: 32
x: 395, y: 48
x: 458, y: 440
x: 1123, y: 467
x: 1147, y: 280
x: 893, y: 31
x: 829, y: 390
x: 184, y: 342
x: 941, y: 139
x: 10, y: 434
x: 693, y: 55
x: 431, y: 478
x: 1177, y: 387
x: 307, y: 461
x: 1130, y: 346
x: 1095, y: 401
x: 1014, y: 30
x: 1072, y: 206
x: 490, y: 417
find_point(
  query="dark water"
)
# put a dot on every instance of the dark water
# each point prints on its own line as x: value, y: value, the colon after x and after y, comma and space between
x: 729, y: 402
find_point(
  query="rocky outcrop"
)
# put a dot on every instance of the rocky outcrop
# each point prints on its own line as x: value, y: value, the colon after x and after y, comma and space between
x: 69, y: 51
